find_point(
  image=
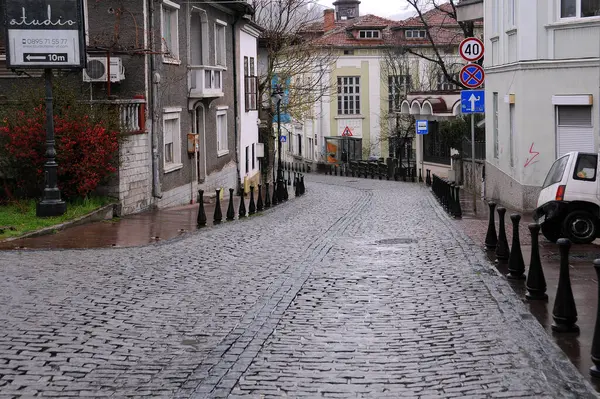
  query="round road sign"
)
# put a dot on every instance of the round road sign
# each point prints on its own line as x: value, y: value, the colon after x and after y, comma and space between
x: 472, y: 76
x: 471, y: 49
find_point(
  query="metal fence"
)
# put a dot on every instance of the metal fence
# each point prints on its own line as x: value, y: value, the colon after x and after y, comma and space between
x: 479, y: 149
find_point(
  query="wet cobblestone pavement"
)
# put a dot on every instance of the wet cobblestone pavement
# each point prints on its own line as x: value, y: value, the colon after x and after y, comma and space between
x: 359, y: 288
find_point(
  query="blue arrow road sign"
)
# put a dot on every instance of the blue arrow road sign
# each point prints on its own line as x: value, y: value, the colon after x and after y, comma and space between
x: 472, y: 101
x: 422, y: 127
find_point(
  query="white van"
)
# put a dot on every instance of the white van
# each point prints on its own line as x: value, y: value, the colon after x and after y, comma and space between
x: 569, y: 203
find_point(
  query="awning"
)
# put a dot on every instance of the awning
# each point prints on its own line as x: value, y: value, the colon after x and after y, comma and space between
x: 432, y: 106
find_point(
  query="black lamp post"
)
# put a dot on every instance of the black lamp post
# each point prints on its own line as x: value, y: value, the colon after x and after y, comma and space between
x: 277, y: 96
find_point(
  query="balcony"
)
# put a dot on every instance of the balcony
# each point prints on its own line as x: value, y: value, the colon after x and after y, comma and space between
x: 206, y: 81
x: 132, y: 113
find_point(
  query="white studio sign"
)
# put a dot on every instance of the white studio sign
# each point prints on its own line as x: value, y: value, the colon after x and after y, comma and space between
x: 44, y: 34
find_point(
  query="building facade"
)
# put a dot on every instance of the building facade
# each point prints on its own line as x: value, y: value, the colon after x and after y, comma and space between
x: 541, y: 91
x: 176, y: 71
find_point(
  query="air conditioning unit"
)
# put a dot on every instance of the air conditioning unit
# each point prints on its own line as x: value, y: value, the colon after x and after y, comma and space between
x: 95, y: 69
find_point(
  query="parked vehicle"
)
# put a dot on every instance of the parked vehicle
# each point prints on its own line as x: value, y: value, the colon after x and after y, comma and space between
x: 569, y: 203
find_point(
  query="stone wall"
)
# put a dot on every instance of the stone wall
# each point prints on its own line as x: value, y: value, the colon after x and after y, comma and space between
x: 505, y: 190
x: 135, y: 174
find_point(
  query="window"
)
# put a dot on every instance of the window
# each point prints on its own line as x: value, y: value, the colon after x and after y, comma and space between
x: 585, y: 168
x: 253, y: 157
x: 574, y: 129
x: 247, y: 159
x: 495, y: 16
x: 220, y: 43
x: 250, y: 85
x: 444, y: 84
x: 416, y: 34
x: 511, y: 117
x: 398, y: 87
x: 495, y: 117
x: 579, y: 8
x: 348, y: 95
x: 369, y: 34
x: 172, y: 139
x: 170, y: 31
x: 348, y: 52
x: 511, y: 13
x: 299, y: 144
x: 556, y: 171
x: 222, y: 147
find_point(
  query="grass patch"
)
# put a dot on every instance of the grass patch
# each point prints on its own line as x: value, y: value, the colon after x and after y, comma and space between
x: 20, y: 215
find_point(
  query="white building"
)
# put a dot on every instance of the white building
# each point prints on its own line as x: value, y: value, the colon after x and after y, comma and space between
x: 542, y: 91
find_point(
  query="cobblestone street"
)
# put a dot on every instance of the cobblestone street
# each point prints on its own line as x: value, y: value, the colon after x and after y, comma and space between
x: 359, y: 288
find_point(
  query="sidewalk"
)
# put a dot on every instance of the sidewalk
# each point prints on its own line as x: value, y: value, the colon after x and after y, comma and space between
x: 583, y: 279
x: 134, y: 230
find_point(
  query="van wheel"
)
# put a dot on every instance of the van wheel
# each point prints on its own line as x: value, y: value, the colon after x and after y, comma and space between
x: 580, y: 227
x: 551, y: 231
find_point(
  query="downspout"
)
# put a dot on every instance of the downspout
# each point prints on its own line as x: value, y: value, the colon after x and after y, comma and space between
x: 154, y: 80
x: 235, y: 105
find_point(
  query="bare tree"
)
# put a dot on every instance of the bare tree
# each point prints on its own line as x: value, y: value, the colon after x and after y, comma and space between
x: 441, y: 35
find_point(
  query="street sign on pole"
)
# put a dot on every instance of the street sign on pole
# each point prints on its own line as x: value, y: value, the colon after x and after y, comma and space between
x: 472, y: 76
x: 44, y: 34
x: 471, y: 49
x: 282, y: 139
x: 472, y: 101
x: 422, y: 127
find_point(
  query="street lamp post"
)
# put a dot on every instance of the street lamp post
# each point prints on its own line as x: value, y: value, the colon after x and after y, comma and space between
x: 277, y: 96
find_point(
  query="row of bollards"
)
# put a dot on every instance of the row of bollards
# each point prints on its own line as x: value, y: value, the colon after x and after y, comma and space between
x: 375, y: 170
x: 564, y: 311
x: 253, y: 206
x: 447, y: 193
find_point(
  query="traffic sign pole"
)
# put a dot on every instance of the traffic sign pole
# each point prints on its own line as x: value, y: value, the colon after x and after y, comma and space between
x: 473, y: 162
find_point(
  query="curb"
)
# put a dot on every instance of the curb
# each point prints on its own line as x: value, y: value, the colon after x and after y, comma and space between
x: 104, y: 213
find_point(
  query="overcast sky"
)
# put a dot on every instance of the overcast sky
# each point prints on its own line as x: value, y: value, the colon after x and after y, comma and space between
x: 396, y: 9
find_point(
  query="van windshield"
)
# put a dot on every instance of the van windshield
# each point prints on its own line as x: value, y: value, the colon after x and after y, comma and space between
x: 556, y: 171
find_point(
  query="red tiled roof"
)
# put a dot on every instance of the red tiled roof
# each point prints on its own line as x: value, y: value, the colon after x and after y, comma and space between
x: 342, y: 34
x: 435, y: 17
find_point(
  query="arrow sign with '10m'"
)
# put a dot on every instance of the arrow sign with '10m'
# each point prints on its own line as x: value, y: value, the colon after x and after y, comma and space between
x: 472, y: 101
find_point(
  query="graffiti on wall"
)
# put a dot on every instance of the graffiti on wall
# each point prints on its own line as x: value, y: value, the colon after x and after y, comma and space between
x: 532, y: 156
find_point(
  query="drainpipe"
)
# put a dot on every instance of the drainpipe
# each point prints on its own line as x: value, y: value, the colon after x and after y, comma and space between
x: 152, y: 101
x: 235, y: 105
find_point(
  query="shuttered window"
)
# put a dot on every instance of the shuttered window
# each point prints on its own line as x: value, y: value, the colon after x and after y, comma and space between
x: 574, y: 129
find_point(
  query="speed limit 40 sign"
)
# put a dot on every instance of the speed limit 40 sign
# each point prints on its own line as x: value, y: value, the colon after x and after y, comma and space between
x: 471, y: 49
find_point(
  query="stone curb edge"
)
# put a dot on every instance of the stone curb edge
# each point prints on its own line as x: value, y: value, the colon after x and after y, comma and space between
x: 94, y: 216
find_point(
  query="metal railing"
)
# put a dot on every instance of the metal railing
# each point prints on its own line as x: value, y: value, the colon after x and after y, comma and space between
x: 479, y: 149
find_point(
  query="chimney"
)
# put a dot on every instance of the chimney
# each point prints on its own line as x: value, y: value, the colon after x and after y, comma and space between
x: 328, y: 19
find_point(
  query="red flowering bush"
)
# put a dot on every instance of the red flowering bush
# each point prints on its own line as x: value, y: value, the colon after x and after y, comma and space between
x: 86, y: 150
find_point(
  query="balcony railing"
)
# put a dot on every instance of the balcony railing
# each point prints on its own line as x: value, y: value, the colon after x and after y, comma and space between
x: 206, y: 81
x: 132, y: 113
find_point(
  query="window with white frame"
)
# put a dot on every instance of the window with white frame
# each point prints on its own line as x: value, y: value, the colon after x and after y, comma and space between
x: 495, y: 121
x: 511, y: 117
x: 169, y: 29
x: 495, y: 6
x: 171, y: 139
x: 398, y: 87
x: 348, y: 95
x: 222, y: 147
x: 511, y: 13
x: 444, y: 84
x: 250, y: 84
x: 220, y: 47
x: 416, y: 34
x: 369, y: 34
x: 579, y: 8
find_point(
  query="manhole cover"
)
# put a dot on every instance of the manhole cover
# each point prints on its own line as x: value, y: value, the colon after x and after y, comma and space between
x: 395, y: 241
x: 351, y: 181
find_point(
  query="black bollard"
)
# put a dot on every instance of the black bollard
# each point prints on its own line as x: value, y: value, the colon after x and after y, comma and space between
x: 296, y: 187
x: 491, y: 240
x: 420, y: 176
x: 595, y: 369
x: 218, y: 217
x: 564, y: 312
x: 230, y: 210
x: 275, y: 195
x: 259, y: 202
x: 252, y: 206
x: 242, y: 208
x: 536, y: 282
x: 458, y: 208
x: 289, y: 181
x: 201, y: 220
x: 286, y: 195
x: 267, y: 197
x: 516, y: 265
x: 428, y: 177
x: 502, y: 250
x: 336, y: 170
x: 294, y: 181
x: 302, y: 187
